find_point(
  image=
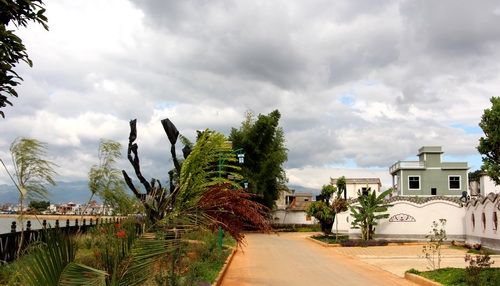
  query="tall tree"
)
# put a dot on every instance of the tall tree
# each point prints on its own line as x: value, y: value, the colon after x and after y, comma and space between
x: 369, y: 211
x: 200, y: 195
x: 32, y: 171
x: 15, y: 13
x: 489, y: 145
x: 263, y: 143
x: 106, y: 181
x: 322, y: 210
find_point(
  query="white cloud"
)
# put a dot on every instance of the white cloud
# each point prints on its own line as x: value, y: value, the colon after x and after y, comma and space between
x: 359, y: 85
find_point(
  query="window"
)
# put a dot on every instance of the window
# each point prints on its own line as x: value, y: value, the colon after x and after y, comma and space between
x: 414, y: 183
x: 473, y: 220
x: 483, y: 220
x: 364, y: 191
x: 308, y: 218
x: 495, y: 221
x: 454, y: 182
x: 433, y: 191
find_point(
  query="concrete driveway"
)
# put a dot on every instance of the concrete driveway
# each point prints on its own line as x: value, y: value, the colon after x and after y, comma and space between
x: 291, y: 259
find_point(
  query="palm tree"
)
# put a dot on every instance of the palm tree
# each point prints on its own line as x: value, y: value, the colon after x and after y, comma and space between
x: 367, y: 213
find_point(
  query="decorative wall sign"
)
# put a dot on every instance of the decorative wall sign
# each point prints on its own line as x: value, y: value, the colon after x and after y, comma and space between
x: 401, y: 217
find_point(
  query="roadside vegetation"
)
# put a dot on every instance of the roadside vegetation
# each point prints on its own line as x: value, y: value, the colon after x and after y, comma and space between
x: 461, y: 276
x: 113, y: 255
x: 180, y: 234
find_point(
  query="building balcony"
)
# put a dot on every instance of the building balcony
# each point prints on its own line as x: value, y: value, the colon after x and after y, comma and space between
x: 406, y: 165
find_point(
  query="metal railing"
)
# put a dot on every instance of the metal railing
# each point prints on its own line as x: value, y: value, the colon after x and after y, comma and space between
x: 9, y: 242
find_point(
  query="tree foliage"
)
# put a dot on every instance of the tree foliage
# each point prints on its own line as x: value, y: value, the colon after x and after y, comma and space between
x: 106, y: 181
x: 33, y: 172
x: 263, y: 142
x: 326, y: 209
x: 203, y: 194
x: 342, y: 186
x: 489, y: 145
x: 39, y: 205
x: 15, y: 13
x: 368, y: 212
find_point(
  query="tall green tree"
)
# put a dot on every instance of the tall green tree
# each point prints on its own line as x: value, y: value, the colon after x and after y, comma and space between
x: 201, y: 196
x: 368, y: 212
x: 33, y: 172
x: 15, y: 13
x: 339, y: 203
x: 489, y: 145
x: 263, y: 142
x: 106, y: 181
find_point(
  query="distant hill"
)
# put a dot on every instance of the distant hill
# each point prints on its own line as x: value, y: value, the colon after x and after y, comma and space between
x: 78, y: 192
x: 63, y: 192
x: 300, y: 189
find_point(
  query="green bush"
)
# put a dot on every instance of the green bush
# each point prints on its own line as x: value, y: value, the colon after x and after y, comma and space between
x: 364, y: 243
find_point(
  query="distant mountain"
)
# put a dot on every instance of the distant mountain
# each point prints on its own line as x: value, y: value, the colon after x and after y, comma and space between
x: 78, y: 192
x: 300, y: 189
x: 63, y: 192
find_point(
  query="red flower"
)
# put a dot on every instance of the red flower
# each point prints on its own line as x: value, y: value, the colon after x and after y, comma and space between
x: 120, y: 234
x: 117, y: 225
x: 87, y: 275
x: 96, y: 254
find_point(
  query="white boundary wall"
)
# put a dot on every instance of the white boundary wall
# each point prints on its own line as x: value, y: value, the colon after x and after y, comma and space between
x: 476, y: 221
x: 481, y: 220
x: 412, y: 218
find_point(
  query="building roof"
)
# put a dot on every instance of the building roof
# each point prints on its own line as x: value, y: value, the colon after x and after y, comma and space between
x: 358, y: 181
x: 299, y: 206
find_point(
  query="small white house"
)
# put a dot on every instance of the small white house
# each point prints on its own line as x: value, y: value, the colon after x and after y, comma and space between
x: 355, y: 184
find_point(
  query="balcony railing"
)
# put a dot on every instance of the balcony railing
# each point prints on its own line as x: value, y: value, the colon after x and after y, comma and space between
x: 406, y: 165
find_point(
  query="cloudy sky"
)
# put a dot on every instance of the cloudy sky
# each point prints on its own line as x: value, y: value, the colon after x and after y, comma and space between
x: 360, y: 84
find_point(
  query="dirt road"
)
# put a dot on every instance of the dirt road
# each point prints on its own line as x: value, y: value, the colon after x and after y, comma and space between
x: 290, y: 259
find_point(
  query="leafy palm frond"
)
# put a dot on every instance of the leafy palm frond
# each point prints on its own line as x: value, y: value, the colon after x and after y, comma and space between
x: 145, y: 254
x: 204, y: 167
x: 53, y: 264
x: 76, y: 274
x: 234, y: 211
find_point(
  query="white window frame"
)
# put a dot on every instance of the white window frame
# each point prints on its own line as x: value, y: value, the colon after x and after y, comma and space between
x: 419, y: 183
x: 459, y: 182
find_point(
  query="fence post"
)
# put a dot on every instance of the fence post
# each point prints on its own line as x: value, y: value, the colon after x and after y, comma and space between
x: 28, y: 225
x: 76, y: 222
x: 57, y: 223
x: 13, y: 227
x: 44, y: 224
x: 67, y: 223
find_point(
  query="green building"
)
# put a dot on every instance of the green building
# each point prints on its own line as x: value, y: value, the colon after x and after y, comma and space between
x: 429, y: 176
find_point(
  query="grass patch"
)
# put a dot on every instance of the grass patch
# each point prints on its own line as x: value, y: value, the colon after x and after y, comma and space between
x: 458, y: 276
x: 297, y: 228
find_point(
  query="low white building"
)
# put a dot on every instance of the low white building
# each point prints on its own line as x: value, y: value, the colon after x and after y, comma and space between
x: 291, y: 208
x: 355, y: 184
